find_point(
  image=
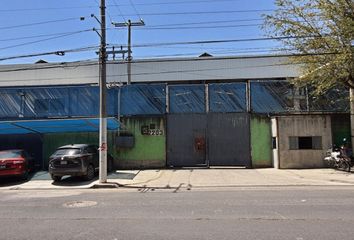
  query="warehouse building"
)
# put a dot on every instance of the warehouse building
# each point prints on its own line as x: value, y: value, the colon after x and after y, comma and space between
x: 181, y: 112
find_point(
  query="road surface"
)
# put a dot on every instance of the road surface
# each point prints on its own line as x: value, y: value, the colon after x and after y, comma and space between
x: 297, y: 213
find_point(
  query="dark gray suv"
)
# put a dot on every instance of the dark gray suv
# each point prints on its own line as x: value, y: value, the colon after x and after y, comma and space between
x: 76, y: 160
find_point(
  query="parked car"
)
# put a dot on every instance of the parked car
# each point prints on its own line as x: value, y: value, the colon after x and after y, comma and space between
x: 76, y: 160
x: 16, y: 162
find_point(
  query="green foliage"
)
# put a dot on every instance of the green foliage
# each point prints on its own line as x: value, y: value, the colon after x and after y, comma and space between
x: 320, y: 33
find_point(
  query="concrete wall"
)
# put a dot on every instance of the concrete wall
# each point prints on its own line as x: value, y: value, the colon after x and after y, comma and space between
x: 304, y: 125
x: 261, y: 145
x: 149, y: 151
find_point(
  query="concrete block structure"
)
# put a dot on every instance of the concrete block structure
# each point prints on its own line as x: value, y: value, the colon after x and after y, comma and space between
x: 302, y: 140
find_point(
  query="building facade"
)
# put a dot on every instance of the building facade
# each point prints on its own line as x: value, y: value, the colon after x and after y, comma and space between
x: 197, y: 112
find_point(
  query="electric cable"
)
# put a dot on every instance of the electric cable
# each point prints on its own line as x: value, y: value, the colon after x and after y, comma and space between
x: 38, y: 36
x: 136, y: 11
x: 46, y: 39
x: 39, y: 23
x: 92, y: 6
x: 221, y: 41
x: 205, y: 12
x: 60, y: 53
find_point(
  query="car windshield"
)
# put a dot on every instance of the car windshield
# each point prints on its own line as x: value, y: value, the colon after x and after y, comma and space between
x: 10, y: 154
x: 67, y: 151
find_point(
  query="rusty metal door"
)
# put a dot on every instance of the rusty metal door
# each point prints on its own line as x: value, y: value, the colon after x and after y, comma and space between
x: 229, y: 139
x: 186, y: 140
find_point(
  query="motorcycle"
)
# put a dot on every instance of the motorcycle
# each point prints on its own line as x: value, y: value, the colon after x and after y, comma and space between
x: 338, y: 158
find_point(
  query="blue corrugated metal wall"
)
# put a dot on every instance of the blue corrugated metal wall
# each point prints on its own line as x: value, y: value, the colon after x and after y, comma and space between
x: 227, y: 97
x: 187, y: 98
x: 150, y: 99
x: 144, y: 99
x: 270, y: 97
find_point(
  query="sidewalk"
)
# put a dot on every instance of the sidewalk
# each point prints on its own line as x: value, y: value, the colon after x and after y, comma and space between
x: 198, y: 179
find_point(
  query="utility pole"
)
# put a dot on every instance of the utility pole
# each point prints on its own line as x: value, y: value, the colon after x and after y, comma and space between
x: 129, y: 24
x: 103, y: 112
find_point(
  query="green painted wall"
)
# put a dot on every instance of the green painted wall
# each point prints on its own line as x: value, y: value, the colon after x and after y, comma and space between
x: 149, y: 151
x: 340, y: 128
x: 52, y: 141
x: 261, y: 142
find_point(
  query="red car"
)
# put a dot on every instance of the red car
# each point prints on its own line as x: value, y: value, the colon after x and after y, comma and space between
x: 16, y: 162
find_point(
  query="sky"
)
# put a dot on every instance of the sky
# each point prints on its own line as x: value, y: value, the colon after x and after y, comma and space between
x: 40, y: 26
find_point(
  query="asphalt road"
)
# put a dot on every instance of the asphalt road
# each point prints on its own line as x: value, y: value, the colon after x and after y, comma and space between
x: 297, y: 213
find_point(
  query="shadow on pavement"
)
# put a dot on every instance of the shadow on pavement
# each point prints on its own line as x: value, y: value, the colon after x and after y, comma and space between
x: 11, y: 181
x: 65, y: 181
x: 73, y: 181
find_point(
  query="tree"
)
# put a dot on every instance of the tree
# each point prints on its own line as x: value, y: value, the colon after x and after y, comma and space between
x: 319, y: 35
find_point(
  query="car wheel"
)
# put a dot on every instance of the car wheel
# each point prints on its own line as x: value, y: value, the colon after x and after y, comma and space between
x: 90, y: 173
x: 55, y: 178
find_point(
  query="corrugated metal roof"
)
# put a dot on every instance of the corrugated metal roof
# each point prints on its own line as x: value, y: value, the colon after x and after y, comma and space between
x: 152, y: 70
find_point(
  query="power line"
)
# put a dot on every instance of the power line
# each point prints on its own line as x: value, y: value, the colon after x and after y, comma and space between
x: 60, y: 53
x: 207, y: 22
x: 205, y: 12
x: 201, y: 27
x: 217, y: 48
x: 41, y: 35
x: 120, y: 12
x: 221, y: 41
x: 43, y: 40
x: 136, y: 11
x: 39, y: 23
x: 211, y: 52
x: 92, y: 6
x: 229, y: 50
x: 46, y: 8
x: 185, y: 2
x: 174, y: 43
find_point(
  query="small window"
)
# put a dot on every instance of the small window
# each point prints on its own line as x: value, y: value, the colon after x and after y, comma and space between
x: 305, y: 142
x: 313, y: 142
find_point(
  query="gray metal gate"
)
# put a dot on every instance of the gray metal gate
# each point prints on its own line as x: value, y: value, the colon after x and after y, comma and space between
x: 186, y: 142
x: 214, y: 139
x: 229, y: 139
